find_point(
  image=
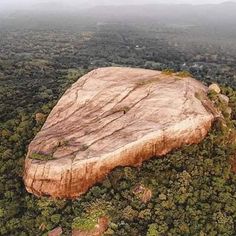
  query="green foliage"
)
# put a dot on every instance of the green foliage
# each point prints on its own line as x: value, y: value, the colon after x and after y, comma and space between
x: 152, y: 230
x: 41, y: 157
x: 87, y: 222
x: 56, y: 218
x: 168, y: 72
x: 74, y: 74
x: 184, y: 74
x: 212, y: 95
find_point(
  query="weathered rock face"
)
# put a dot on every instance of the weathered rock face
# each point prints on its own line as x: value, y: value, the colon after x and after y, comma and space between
x: 114, y: 117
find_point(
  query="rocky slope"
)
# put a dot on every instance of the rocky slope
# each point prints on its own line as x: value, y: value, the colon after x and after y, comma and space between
x: 114, y: 117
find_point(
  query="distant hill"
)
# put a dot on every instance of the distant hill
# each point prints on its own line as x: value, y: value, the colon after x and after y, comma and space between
x: 212, y: 15
x: 165, y: 13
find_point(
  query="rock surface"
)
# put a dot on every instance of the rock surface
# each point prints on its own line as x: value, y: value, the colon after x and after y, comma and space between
x: 114, y: 117
x: 143, y: 193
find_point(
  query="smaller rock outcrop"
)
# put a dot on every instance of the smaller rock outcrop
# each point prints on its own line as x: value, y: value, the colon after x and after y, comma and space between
x: 215, y: 88
x: 143, y: 193
x: 224, y: 99
x: 55, y: 232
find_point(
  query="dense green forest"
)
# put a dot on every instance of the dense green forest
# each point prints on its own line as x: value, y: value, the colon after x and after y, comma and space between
x: 193, y: 189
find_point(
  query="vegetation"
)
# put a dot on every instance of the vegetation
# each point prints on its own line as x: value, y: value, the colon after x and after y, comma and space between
x: 168, y: 71
x: 41, y: 157
x: 184, y: 74
x: 193, y: 189
x: 90, y: 217
x: 87, y: 222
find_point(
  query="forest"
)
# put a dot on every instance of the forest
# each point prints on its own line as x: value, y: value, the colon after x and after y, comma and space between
x: 193, y: 189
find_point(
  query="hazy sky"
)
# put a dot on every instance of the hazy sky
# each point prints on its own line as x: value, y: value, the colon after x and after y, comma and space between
x: 19, y: 4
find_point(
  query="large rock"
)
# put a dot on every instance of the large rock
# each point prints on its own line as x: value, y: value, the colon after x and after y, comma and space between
x: 114, y: 117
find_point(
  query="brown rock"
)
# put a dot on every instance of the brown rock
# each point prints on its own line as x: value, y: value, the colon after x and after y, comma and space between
x: 224, y: 99
x: 55, y: 232
x: 143, y: 193
x: 233, y: 165
x: 114, y: 117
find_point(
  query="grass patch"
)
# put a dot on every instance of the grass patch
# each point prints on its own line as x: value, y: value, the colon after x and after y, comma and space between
x: 41, y: 157
x: 222, y: 106
x: 184, y: 74
x: 63, y: 143
x: 88, y: 221
x: 168, y: 72
x: 94, y: 211
x: 181, y: 74
x: 213, y: 96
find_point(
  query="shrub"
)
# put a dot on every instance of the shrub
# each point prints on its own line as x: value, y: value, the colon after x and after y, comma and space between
x: 41, y: 157
x: 184, y: 74
x: 168, y: 72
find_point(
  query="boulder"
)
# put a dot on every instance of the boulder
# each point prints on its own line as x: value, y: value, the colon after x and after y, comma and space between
x: 224, y: 99
x: 55, y: 232
x: 215, y: 88
x: 143, y: 193
x: 114, y: 117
